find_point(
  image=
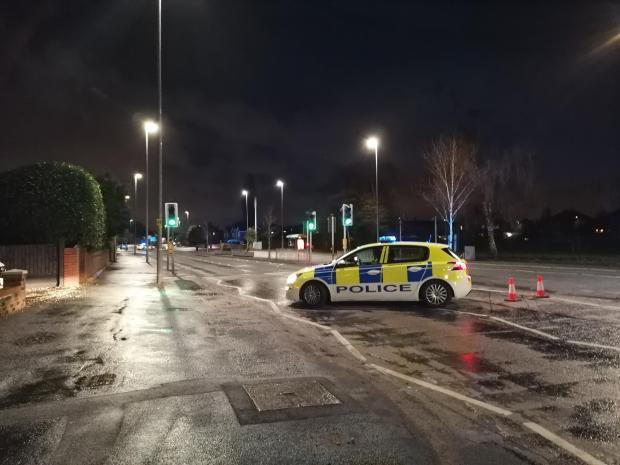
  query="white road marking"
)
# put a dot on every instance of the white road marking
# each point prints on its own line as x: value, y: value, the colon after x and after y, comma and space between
x: 356, y: 353
x: 589, y: 304
x: 558, y: 441
x: 510, y: 265
x: 593, y: 344
x: 442, y: 390
x: 525, y: 328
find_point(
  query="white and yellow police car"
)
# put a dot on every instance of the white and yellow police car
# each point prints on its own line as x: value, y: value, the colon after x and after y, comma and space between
x: 409, y: 271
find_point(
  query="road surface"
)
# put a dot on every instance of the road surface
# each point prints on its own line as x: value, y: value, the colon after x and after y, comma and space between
x: 219, y: 368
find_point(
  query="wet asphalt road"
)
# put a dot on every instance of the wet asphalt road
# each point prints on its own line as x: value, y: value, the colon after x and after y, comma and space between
x: 123, y: 373
x: 571, y: 386
x: 580, y: 281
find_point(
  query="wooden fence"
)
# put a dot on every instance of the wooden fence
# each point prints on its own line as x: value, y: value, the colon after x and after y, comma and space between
x: 39, y: 259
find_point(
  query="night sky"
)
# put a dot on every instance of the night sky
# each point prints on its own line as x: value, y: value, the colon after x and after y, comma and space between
x: 289, y: 89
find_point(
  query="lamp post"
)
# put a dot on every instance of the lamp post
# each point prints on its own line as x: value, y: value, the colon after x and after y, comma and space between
x: 136, y: 176
x: 160, y: 204
x: 150, y: 127
x: 247, y: 215
x: 280, y: 184
x: 187, y: 216
x: 372, y: 143
x: 400, y: 229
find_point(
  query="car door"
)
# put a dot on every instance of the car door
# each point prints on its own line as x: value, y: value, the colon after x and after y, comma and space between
x: 358, y: 275
x: 405, y: 266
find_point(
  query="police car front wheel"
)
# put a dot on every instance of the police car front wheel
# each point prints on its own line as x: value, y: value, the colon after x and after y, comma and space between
x: 435, y: 294
x: 314, y: 294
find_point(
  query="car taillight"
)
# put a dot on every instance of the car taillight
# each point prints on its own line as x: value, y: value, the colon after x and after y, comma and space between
x: 459, y: 266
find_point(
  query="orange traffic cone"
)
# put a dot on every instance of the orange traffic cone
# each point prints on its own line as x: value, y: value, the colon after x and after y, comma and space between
x: 512, y: 291
x: 540, y: 289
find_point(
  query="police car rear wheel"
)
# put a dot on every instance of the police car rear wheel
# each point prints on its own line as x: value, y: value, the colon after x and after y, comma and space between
x: 314, y: 295
x: 435, y: 294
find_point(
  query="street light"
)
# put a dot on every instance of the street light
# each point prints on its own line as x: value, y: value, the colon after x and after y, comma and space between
x: 127, y: 198
x: 136, y: 176
x: 247, y: 217
x: 280, y: 184
x: 160, y: 200
x: 150, y: 127
x: 372, y: 143
x: 187, y: 216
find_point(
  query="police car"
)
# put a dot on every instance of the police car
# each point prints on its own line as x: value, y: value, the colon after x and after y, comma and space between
x: 409, y: 271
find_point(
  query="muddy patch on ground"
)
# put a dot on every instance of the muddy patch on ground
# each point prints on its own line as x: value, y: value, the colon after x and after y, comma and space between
x: 597, y: 420
x: 34, y: 339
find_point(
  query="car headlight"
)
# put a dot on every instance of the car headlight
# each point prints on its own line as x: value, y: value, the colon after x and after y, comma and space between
x: 292, y: 278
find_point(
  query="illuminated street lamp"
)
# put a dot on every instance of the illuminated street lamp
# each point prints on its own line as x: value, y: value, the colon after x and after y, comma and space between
x: 247, y: 217
x: 136, y: 177
x: 187, y: 216
x: 127, y: 198
x: 280, y: 184
x: 150, y: 127
x: 372, y: 143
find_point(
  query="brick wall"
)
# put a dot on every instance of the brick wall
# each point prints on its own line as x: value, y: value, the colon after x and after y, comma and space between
x: 71, y: 268
x: 13, y: 295
x: 80, y: 265
x: 92, y: 262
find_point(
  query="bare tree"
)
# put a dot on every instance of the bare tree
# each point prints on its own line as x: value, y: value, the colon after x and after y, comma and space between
x: 504, y: 183
x: 269, y: 221
x: 451, y: 163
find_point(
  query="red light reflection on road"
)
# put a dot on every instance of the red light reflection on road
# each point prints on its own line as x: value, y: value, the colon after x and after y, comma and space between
x: 470, y: 361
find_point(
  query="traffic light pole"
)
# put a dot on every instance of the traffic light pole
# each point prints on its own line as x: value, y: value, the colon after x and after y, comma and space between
x: 332, y: 218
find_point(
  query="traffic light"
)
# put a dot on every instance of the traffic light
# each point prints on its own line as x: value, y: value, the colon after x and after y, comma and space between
x: 347, y: 214
x: 312, y: 222
x: 172, y: 215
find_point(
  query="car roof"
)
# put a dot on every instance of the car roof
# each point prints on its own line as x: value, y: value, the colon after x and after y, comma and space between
x: 425, y: 244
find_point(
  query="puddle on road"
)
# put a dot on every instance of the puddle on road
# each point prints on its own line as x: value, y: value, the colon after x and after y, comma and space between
x: 95, y: 381
x: 187, y: 285
x: 53, y: 385
x: 34, y: 339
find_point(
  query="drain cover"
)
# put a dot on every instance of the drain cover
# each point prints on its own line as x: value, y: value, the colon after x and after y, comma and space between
x: 289, y: 394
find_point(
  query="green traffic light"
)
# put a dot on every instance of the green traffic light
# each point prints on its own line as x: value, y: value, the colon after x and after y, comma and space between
x: 311, y: 226
x: 171, y: 222
x: 348, y: 222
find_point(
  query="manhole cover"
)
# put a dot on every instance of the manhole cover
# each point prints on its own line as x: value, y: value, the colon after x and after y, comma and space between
x: 289, y: 394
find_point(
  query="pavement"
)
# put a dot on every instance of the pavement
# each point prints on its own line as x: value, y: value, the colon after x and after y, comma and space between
x: 220, y: 368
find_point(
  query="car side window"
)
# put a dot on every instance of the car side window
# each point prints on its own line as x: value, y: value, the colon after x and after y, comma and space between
x: 407, y: 253
x: 368, y: 256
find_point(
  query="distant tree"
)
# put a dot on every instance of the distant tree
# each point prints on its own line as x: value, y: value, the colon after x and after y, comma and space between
x: 451, y: 165
x: 196, y: 235
x: 117, y: 212
x: 250, y: 236
x: 45, y: 202
x: 503, y: 182
x: 269, y: 221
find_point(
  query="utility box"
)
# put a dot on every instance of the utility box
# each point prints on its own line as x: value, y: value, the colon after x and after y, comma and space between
x: 470, y: 252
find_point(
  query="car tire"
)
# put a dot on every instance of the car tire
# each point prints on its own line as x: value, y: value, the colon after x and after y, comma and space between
x: 435, y: 294
x: 313, y: 294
